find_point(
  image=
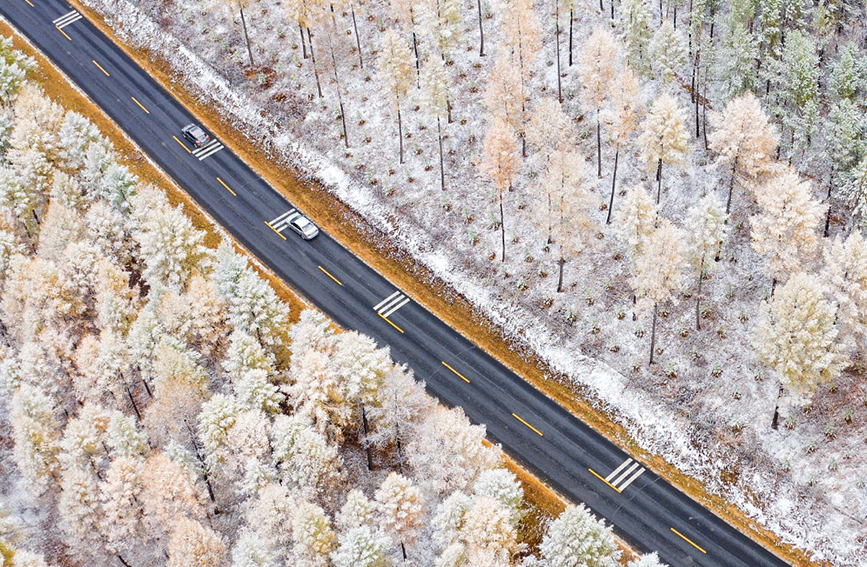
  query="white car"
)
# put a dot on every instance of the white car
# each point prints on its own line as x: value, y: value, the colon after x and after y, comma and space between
x: 303, y: 226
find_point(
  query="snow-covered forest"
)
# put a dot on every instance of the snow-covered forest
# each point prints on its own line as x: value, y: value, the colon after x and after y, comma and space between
x: 160, y: 405
x: 663, y: 200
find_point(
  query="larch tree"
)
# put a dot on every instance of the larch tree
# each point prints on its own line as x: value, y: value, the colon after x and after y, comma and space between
x: 647, y: 560
x: 663, y: 138
x: 448, y: 520
x: 796, y: 337
x: 597, y: 69
x: 786, y: 230
x: 317, y: 394
x: 621, y: 119
x: 404, y: 11
x: 435, y: 82
x: 845, y: 275
x: 489, y: 533
x: 401, y: 403
x: 80, y: 512
x: 854, y: 192
x: 241, y: 4
x: 250, y: 550
x: 400, y: 508
x: 194, y: 545
x: 523, y: 38
x: 37, y: 437
x: 440, y: 26
x: 658, y: 272
x: 360, y: 547
x: 357, y: 511
x: 667, y: 52
x: 501, y: 485
x: 168, y: 491
x: 634, y: 23
x: 336, y: 50
x: 312, y: 536
x: 307, y: 13
x: 395, y: 75
x: 14, y: 66
x: 743, y: 139
x: 121, y: 507
x: 501, y: 161
x: 577, y: 539
x: 636, y: 219
x: 706, y: 236
x: 548, y: 132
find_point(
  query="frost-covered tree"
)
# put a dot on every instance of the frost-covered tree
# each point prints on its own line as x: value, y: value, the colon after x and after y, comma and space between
x: 736, y: 66
x: 634, y: 23
x: 667, y: 52
x: 400, y: 508
x: 168, y: 491
x: 305, y: 459
x: 647, y: 560
x: 854, y: 192
x: 194, y: 545
x: 241, y: 4
x: 797, y: 338
x: 500, y: 160
x: 360, y: 547
x: 251, y: 551
x: 577, y: 539
x: 786, y: 229
x: 401, y: 404
x: 663, y: 138
x: 37, y: 437
x: 435, y: 82
x: 502, y: 486
x: 705, y: 239
x: 489, y: 532
x: 658, y: 271
x: 121, y: 508
x: 522, y: 35
x: 621, y: 119
x: 14, y: 66
x: 440, y: 26
x: 597, y: 69
x: 80, y: 512
x: 845, y: 275
x: 636, y: 219
x: 796, y: 77
x: 743, y: 139
x: 849, y: 75
x: 312, y: 536
x: 307, y: 13
x: 503, y: 97
x: 448, y: 520
x: 395, y: 74
x: 356, y: 511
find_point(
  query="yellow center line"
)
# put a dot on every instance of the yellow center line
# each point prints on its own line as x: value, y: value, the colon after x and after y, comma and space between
x: 275, y: 230
x: 689, y: 541
x: 31, y: 5
x: 527, y: 424
x: 603, y: 480
x: 140, y: 105
x: 227, y: 187
x: 330, y: 276
x: 456, y: 372
x: 63, y: 32
x: 183, y: 145
x: 389, y: 322
x: 97, y: 64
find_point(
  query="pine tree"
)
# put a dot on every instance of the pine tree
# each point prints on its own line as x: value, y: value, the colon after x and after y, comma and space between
x: 621, y: 118
x: 658, y: 272
x: 786, y: 229
x: 736, y: 66
x: 312, y: 536
x: 849, y: 76
x: 14, y: 66
x: 635, y: 16
x: 667, y: 52
x: 854, y: 192
x: 845, y: 275
x: 743, y: 139
x: 796, y: 336
x: 663, y: 138
x: 500, y: 160
x: 400, y: 507
x: 576, y: 539
x: 637, y: 219
x: 194, y: 545
x: 395, y: 74
x: 705, y: 239
x: 796, y: 76
x: 597, y: 70
x: 502, y: 486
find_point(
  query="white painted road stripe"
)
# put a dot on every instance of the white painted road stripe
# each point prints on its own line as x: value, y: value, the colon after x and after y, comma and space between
x: 211, y: 151
x: 67, y: 22
x: 207, y: 145
x: 396, y: 307
x: 389, y: 304
x: 386, y: 300
x: 628, y: 472
x: 618, y: 469
x: 68, y: 16
x: 623, y: 486
x: 281, y: 217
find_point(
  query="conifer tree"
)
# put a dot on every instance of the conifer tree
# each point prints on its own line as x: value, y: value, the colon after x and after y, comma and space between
x: 663, y: 138
x: 597, y: 70
x: 667, y: 52
x: 576, y: 539
x: 500, y: 161
x: 845, y: 275
x: 312, y: 536
x: 400, y: 506
x: 435, y: 98
x: 705, y: 239
x: 395, y: 74
x: 634, y: 20
x: 621, y: 118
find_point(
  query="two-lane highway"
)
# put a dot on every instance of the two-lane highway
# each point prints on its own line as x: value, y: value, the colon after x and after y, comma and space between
x: 644, y: 509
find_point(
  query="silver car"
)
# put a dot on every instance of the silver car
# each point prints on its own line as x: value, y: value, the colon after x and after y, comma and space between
x: 304, y: 227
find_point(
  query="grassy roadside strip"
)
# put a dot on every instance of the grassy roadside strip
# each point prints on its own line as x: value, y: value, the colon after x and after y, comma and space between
x: 354, y: 233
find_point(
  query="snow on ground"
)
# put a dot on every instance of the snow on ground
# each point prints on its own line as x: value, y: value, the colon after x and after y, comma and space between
x: 706, y: 408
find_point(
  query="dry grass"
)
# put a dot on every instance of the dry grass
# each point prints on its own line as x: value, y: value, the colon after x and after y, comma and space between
x: 354, y: 233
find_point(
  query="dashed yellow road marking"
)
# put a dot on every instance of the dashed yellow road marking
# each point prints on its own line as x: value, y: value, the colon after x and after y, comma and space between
x: 390, y: 323
x: 31, y: 5
x: 689, y: 541
x: 94, y: 61
x: 527, y: 424
x: 227, y: 188
x: 330, y: 276
x: 183, y: 145
x: 275, y: 230
x: 603, y: 480
x: 67, y: 37
x: 464, y: 378
x: 140, y: 105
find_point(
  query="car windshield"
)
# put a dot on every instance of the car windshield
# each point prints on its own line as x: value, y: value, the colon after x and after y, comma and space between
x: 301, y: 223
x: 197, y: 132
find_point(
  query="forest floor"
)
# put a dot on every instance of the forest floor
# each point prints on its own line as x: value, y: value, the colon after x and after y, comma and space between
x: 424, y: 286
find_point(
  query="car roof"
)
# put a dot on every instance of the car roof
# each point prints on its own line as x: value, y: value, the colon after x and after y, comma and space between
x: 301, y: 221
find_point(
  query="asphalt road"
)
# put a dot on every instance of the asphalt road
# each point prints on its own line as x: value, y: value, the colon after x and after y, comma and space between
x: 645, y: 510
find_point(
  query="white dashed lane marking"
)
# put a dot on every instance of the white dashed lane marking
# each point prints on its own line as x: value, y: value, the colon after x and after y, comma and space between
x: 66, y: 19
x: 208, y: 149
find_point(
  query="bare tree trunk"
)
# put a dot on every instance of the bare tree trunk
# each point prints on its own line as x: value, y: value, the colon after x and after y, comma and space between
x: 557, y: 41
x: 366, y: 427
x: 132, y: 401
x: 601, y: 7
x: 598, y: 146
x: 357, y: 37
x: 696, y: 78
x: 303, y: 42
x: 561, y: 262
x: 442, y: 167
x: 246, y: 36
x: 122, y: 560
x: 403, y: 550
x: 612, y: 13
x: 481, y: 31
x: 570, y: 37
x: 828, y: 213
x: 415, y: 49
x: 339, y: 95
x: 653, y: 334
x: 202, y: 462
x: 613, y: 183
x: 731, y: 185
x: 313, y: 59
x: 659, y: 181
x: 775, y: 423
x: 698, y: 297
x: 503, y: 226
x: 400, y: 130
